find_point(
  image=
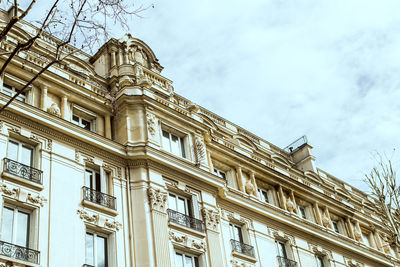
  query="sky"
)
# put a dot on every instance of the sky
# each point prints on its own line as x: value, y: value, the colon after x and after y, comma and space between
x: 281, y: 69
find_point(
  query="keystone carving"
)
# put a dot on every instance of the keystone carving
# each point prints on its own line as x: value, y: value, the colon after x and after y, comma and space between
x: 158, y: 199
x: 151, y: 124
x: 86, y: 217
x: 211, y: 219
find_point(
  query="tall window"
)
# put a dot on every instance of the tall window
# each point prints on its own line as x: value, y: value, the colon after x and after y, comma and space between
x: 281, y: 249
x: 320, y: 261
x: 92, y: 179
x: 96, y: 250
x: 173, y: 144
x: 302, y: 212
x: 186, y: 260
x: 179, y: 204
x: 15, y: 226
x: 11, y: 91
x: 236, y: 232
x: 335, y: 225
x: 263, y: 195
x: 20, y: 152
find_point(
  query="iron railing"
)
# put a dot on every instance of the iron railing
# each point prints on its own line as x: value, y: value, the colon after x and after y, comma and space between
x: 22, y: 170
x: 296, y: 145
x: 18, y: 252
x: 99, y: 198
x: 185, y: 220
x: 242, y: 248
x: 285, y: 262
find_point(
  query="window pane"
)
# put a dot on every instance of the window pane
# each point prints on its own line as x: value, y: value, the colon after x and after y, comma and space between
x: 188, y: 261
x: 75, y: 118
x: 320, y: 261
x: 183, y: 154
x: 179, y: 260
x: 282, y: 250
x: 26, y: 156
x: 86, y: 124
x: 12, y: 152
x: 165, y: 141
x: 89, y: 178
x: 175, y: 147
x: 7, y: 225
x: 101, y: 251
x: 89, y: 249
x: 98, y: 182
x: 172, y: 202
x: 22, y: 229
x: 181, y: 205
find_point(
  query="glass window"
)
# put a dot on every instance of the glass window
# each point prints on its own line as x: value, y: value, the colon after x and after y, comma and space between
x: 220, y: 173
x: 335, y: 226
x: 11, y: 91
x: 302, y: 212
x: 263, y: 195
x: 173, y: 144
x: 96, y: 250
x: 179, y: 204
x: 236, y: 232
x: 320, y: 261
x: 15, y: 226
x: 186, y: 260
x: 92, y: 179
x: 365, y: 238
x: 281, y: 249
x: 20, y: 152
x: 83, y: 122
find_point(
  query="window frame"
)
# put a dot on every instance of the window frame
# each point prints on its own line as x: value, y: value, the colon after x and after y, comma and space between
x: 232, y: 227
x: 19, y: 156
x: 182, y: 142
x: 188, y: 204
x: 107, y: 254
x: 195, y: 258
x: 83, y: 114
x: 220, y: 173
x: 30, y: 224
x: 320, y: 260
x: 12, y: 90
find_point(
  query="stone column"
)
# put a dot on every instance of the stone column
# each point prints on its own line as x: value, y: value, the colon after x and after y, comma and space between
x: 350, y: 228
x: 317, y: 213
x: 100, y: 125
x: 253, y: 181
x: 211, y: 221
x: 107, y: 126
x: 240, y: 178
x: 378, y: 241
x: 64, y: 107
x: 157, y: 200
x: 120, y: 57
x: 43, y: 98
x: 113, y: 61
x: 282, y: 198
x: 126, y: 60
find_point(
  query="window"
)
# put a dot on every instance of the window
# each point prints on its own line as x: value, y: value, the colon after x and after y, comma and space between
x: 281, y: 249
x: 15, y: 226
x: 179, y: 204
x: 84, y: 123
x: 92, y: 179
x: 263, y: 195
x: 220, y: 173
x: 335, y: 225
x: 365, y: 238
x: 302, y: 212
x: 84, y: 118
x: 185, y: 260
x: 20, y: 152
x: 236, y: 232
x: 320, y: 261
x: 173, y: 143
x: 96, y: 250
x: 11, y: 91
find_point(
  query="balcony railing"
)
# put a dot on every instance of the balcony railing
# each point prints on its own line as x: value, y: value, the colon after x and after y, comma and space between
x: 285, y: 262
x: 242, y: 248
x: 18, y: 252
x: 22, y: 170
x: 185, y: 220
x: 99, y: 198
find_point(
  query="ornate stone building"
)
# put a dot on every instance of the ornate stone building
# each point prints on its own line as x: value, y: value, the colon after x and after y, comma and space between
x: 105, y: 165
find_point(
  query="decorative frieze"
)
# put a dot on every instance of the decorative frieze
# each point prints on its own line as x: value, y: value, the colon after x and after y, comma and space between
x: 181, y: 240
x: 114, y: 225
x: 211, y: 219
x: 84, y: 215
x: 157, y: 199
x: 11, y: 192
x: 38, y: 200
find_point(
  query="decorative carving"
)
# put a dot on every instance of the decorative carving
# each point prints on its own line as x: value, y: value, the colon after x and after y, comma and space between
x: 86, y: 217
x: 88, y: 159
x: 38, y: 200
x: 199, y: 150
x: 157, y: 199
x: 151, y: 123
x: 14, y: 129
x: 236, y: 263
x: 77, y: 155
x: 178, y: 239
x: 113, y: 225
x: 49, y: 144
x: 199, y: 245
x: 353, y: 263
x: 211, y: 218
x: 9, y: 192
x: 54, y: 109
x: 289, y: 204
x: 34, y: 137
x: 119, y: 172
x: 184, y: 240
x: 325, y: 221
x: 249, y: 187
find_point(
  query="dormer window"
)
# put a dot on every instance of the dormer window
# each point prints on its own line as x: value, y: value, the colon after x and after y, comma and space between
x: 220, y: 173
x: 83, y: 118
x: 11, y: 91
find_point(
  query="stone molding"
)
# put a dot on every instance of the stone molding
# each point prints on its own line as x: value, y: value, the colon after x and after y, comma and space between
x: 157, y: 199
x: 22, y: 195
x: 98, y: 220
x: 236, y: 263
x: 211, y: 219
x: 182, y: 240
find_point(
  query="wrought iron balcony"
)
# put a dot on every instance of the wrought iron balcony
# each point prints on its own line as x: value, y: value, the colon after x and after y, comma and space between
x: 185, y: 220
x: 22, y: 170
x: 242, y: 248
x: 19, y: 253
x: 99, y: 198
x: 285, y: 262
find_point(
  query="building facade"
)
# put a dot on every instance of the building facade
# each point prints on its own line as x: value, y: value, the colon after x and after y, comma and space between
x: 105, y: 165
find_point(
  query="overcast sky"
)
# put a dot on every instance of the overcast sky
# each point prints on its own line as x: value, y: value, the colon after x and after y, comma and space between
x: 284, y: 68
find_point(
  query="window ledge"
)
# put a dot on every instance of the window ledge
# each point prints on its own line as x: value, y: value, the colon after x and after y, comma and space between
x: 4, y: 259
x: 22, y: 181
x: 100, y: 208
x: 186, y: 229
x: 244, y: 257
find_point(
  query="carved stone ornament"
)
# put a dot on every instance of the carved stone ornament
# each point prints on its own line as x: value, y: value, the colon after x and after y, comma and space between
x: 353, y: 263
x: 151, y: 124
x: 49, y: 144
x: 88, y: 218
x: 54, y: 110
x: 236, y: 263
x: 114, y: 225
x: 249, y: 187
x: 211, y: 219
x: 9, y: 192
x: 38, y: 200
x: 158, y: 199
x: 200, y: 150
x: 77, y: 156
x: 178, y: 239
x: 325, y: 220
x: 185, y: 241
x: 290, y: 205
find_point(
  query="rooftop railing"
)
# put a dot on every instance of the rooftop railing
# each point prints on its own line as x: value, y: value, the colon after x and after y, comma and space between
x: 19, y: 253
x: 296, y: 145
x: 22, y: 170
x: 99, y: 198
x: 285, y: 262
x: 242, y: 248
x: 185, y: 220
